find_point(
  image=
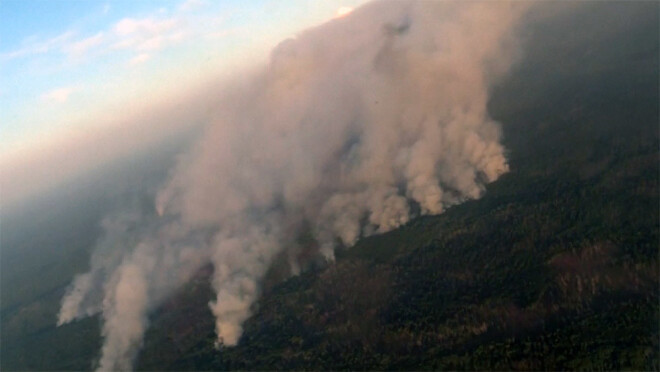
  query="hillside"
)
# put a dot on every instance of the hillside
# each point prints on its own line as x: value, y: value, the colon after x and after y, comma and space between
x: 556, y: 267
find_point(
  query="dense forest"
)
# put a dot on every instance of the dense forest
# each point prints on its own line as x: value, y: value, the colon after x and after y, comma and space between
x: 554, y: 268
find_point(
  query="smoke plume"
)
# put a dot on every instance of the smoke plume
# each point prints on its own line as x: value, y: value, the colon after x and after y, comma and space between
x: 352, y: 128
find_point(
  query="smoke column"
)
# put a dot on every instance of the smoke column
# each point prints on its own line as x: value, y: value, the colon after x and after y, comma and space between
x: 350, y: 127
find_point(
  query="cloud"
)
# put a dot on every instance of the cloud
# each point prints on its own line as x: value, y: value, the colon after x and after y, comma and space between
x: 40, y: 47
x: 148, y: 34
x: 152, y: 26
x: 59, y: 95
x: 155, y: 32
x: 79, y: 48
x: 216, y: 35
x: 350, y: 128
x: 189, y: 5
x: 140, y: 58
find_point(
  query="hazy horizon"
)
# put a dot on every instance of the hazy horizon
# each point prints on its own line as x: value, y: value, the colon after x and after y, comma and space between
x: 158, y: 139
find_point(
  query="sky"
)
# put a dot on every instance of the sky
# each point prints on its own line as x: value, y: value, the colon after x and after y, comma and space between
x: 70, y: 68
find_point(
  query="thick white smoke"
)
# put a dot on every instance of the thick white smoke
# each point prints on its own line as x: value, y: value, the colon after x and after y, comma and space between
x: 352, y: 125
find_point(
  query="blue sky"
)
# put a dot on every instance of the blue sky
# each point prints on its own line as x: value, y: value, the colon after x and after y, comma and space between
x: 65, y: 63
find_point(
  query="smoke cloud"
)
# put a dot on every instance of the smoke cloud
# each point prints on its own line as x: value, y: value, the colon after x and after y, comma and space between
x: 351, y: 129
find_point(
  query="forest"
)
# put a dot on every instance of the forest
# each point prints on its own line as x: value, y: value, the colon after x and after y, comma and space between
x: 554, y: 268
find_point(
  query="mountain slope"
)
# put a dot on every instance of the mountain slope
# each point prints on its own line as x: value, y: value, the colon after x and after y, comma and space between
x: 555, y: 267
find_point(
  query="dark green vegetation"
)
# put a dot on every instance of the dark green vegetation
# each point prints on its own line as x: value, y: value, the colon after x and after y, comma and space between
x: 556, y: 267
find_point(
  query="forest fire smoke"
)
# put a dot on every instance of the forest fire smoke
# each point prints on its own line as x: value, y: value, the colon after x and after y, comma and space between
x: 351, y: 127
